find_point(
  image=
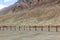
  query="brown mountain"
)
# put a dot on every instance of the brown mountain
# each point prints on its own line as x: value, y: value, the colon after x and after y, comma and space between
x: 30, y: 4
x: 31, y: 12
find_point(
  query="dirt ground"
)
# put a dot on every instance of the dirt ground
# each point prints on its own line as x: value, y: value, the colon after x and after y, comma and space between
x: 29, y: 35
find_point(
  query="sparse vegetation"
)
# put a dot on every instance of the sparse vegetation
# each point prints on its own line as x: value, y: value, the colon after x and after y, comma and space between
x: 41, y: 15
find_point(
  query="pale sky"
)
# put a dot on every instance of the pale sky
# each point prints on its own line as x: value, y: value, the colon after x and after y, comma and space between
x: 6, y: 3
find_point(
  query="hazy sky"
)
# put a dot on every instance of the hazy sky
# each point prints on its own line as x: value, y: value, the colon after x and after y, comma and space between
x: 5, y: 3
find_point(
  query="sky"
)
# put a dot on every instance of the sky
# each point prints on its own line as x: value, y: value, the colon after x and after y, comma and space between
x: 6, y: 3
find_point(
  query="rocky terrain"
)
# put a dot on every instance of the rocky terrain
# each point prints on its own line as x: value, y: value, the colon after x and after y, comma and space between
x: 31, y: 12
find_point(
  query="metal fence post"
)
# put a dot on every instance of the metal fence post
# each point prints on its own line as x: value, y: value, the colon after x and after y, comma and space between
x: 3, y: 28
x: 48, y: 28
x: 41, y: 28
x: 0, y: 27
x: 15, y: 28
x: 19, y: 28
x: 30, y: 28
x: 24, y: 27
x: 56, y: 28
x: 35, y: 28
x: 10, y: 28
x: 6, y: 27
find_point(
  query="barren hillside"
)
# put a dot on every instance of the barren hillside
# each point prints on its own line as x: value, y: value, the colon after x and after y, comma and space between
x: 32, y: 12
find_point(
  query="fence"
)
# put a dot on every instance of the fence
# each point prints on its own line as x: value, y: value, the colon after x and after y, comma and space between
x: 11, y: 28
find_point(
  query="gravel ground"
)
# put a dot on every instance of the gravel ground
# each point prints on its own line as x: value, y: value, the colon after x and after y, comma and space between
x: 30, y: 35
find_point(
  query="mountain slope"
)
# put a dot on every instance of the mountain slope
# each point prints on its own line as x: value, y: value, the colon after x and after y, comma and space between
x: 39, y: 12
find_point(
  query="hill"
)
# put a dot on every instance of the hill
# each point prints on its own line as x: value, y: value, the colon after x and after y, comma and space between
x: 31, y: 12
